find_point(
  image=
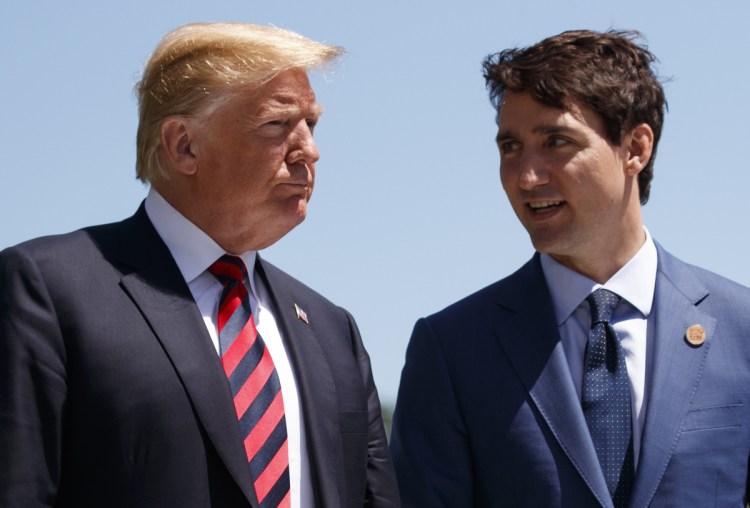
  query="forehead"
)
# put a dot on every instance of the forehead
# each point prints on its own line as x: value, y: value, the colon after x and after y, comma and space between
x: 288, y: 88
x: 519, y: 111
x: 287, y: 94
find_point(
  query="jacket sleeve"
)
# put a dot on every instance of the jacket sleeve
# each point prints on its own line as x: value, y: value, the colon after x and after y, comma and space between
x: 382, y: 489
x: 429, y: 442
x: 32, y: 384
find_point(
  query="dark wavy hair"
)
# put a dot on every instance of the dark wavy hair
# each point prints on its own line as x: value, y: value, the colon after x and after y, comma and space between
x: 608, y: 72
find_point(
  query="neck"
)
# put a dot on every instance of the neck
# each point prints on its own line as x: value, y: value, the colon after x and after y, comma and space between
x: 599, y: 265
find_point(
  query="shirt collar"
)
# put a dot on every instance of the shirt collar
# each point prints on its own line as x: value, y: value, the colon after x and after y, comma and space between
x: 192, y: 249
x: 634, y: 282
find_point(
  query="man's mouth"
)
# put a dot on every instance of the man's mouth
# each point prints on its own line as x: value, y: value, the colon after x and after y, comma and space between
x: 543, y: 206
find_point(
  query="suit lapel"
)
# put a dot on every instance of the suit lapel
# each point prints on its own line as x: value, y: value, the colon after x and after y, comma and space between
x: 528, y: 333
x: 315, y: 384
x: 158, y: 289
x: 675, y: 372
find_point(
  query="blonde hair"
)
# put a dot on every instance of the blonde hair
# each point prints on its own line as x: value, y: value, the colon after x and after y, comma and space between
x: 195, y: 67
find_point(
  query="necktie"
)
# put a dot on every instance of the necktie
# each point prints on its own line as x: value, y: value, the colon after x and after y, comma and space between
x: 255, y: 386
x: 605, y: 398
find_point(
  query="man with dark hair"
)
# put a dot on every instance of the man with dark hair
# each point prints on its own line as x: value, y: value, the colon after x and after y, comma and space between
x: 159, y: 361
x: 605, y: 371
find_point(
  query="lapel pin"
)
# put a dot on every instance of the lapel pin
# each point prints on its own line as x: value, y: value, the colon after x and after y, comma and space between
x: 301, y: 314
x: 695, y: 335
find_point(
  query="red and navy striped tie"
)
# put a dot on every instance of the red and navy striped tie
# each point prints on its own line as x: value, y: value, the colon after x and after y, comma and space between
x: 255, y: 386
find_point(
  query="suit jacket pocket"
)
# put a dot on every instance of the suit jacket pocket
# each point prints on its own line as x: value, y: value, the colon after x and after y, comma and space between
x: 353, y: 422
x: 715, y: 417
x: 709, y: 463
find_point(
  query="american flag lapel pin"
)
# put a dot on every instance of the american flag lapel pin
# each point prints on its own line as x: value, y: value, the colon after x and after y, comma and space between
x: 301, y: 314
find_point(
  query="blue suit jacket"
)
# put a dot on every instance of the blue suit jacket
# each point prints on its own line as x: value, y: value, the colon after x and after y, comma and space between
x: 111, y: 393
x: 487, y: 413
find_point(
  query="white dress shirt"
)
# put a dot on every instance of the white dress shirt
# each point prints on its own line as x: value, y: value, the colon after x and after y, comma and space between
x: 194, y: 251
x: 632, y: 320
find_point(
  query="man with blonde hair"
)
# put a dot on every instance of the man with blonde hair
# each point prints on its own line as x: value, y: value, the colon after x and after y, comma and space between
x: 160, y: 361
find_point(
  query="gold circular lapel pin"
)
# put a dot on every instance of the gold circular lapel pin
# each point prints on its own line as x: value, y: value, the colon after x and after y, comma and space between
x: 695, y: 335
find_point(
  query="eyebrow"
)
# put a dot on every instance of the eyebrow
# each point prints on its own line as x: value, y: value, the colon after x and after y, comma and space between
x: 316, y: 110
x: 539, y: 129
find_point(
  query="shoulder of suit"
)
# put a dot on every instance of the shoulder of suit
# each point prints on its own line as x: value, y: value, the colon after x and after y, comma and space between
x: 717, y: 287
x: 74, y: 239
x: 721, y: 287
x: 487, y: 298
x: 67, y: 252
x: 51, y: 245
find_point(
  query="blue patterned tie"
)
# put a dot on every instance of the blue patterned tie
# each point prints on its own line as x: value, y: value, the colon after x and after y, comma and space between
x: 605, y: 398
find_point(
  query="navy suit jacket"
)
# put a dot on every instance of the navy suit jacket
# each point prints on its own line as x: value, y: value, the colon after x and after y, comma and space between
x: 111, y: 393
x: 488, y: 416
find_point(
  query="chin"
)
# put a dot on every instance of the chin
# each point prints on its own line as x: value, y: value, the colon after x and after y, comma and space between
x: 273, y: 236
x: 547, y: 244
x: 291, y: 221
x: 300, y: 210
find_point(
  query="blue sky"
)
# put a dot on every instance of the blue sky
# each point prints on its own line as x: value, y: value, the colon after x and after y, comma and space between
x: 408, y: 213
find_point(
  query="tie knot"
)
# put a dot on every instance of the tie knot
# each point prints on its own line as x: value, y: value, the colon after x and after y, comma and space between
x: 228, y: 269
x: 602, y: 304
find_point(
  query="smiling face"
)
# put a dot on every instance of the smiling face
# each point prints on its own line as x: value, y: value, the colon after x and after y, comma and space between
x: 574, y: 192
x: 246, y: 172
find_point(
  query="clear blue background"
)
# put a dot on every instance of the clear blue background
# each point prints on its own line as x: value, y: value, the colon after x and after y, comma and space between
x: 408, y: 213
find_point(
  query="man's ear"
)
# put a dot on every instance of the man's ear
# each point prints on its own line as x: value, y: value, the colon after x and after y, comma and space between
x: 177, y: 145
x: 640, y: 148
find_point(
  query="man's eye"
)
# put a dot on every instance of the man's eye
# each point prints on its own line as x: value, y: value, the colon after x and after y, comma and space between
x: 556, y: 141
x: 507, y: 147
x: 272, y: 128
x: 311, y: 124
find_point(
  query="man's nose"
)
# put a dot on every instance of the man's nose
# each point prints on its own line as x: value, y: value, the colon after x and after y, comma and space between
x: 304, y: 149
x: 532, y: 172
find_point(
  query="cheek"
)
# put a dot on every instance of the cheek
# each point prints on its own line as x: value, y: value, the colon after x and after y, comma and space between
x: 506, y: 178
